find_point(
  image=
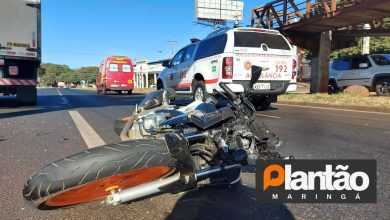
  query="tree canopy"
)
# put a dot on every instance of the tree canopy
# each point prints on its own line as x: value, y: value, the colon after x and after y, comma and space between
x: 377, y: 45
x: 51, y: 74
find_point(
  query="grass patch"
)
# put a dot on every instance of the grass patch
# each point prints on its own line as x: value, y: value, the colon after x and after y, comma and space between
x: 341, y: 99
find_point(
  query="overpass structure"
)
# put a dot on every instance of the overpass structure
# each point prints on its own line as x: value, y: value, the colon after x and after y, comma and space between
x: 324, y: 25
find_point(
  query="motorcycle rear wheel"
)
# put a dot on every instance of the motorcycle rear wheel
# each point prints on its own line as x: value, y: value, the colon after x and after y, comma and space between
x: 90, y: 175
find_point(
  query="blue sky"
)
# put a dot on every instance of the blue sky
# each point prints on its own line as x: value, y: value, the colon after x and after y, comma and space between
x: 83, y: 32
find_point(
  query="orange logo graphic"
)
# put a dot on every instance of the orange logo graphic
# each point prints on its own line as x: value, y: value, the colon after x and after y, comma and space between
x: 269, y: 181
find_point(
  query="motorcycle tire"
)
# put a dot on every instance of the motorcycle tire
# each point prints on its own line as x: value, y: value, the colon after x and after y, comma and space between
x: 88, y: 176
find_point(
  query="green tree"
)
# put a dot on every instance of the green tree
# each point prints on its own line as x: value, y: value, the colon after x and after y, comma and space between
x: 69, y: 77
x: 49, y: 79
x: 88, y: 73
x: 55, y: 68
x: 41, y: 71
x: 377, y: 45
x: 63, y: 73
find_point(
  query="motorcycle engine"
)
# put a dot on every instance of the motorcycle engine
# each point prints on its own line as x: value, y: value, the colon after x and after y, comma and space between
x: 144, y: 126
x: 152, y: 121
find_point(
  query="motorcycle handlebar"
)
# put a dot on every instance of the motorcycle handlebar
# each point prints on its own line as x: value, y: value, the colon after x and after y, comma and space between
x: 228, y: 91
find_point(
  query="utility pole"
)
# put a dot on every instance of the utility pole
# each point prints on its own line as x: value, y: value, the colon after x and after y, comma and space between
x: 366, y: 41
x: 172, y: 45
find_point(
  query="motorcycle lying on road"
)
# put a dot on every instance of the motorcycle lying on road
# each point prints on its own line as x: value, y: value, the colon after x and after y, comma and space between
x: 166, y: 149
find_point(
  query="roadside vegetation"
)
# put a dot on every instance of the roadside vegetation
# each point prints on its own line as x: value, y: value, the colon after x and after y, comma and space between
x: 377, y: 45
x: 50, y: 74
x: 340, y: 99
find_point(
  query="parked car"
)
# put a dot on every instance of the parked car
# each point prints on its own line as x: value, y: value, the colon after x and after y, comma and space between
x: 116, y: 73
x: 371, y: 71
x: 227, y: 55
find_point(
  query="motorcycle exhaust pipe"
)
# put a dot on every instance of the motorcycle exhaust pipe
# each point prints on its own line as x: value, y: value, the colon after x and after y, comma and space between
x: 156, y: 187
x: 214, y: 171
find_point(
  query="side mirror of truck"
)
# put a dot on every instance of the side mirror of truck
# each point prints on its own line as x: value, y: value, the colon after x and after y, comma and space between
x: 166, y: 63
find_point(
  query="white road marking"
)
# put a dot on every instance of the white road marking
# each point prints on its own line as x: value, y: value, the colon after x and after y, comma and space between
x: 91, y: 138
x: 64, y: 100
x: 268, y: 116
x: 334, y: 109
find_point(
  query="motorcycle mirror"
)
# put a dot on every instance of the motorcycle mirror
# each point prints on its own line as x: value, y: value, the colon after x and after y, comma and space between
x: 256, y: 72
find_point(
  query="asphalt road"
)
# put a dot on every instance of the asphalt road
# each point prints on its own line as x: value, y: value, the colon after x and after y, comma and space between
x: 31, y: 137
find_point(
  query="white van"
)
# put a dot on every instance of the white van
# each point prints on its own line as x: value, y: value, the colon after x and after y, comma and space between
x: 227, y: 55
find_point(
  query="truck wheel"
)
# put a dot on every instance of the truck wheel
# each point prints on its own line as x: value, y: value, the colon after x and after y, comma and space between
x: 199, y: 92
x: 261, y: 103
x: 26, y: 95
x: 104, y: 91
x: 265, y: 105
x: 129, y: 92
x: 382, y: 87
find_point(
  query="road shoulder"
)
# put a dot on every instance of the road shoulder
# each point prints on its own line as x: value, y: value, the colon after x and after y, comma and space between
x: 343, y: 107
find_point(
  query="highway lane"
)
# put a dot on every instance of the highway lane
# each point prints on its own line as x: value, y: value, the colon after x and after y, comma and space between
x: 31, y: 137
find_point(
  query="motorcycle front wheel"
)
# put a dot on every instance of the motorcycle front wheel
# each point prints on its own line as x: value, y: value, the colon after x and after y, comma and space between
x: 90, y: 175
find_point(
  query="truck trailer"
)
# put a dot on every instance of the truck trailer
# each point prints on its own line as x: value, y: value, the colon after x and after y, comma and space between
x: 20, y: 49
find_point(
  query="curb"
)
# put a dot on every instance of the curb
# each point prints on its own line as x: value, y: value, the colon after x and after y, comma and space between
x: 344, y: 107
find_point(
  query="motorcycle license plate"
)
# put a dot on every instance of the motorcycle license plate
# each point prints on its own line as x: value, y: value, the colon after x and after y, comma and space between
x: 261, y: 86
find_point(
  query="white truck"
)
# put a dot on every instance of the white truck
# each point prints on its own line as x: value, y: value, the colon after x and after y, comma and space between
x: 227, y: 55
x: 20, y: 48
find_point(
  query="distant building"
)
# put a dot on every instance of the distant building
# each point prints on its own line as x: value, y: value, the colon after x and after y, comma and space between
x: 146, y: 73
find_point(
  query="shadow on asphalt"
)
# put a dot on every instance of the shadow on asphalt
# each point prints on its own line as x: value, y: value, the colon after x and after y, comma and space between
x: 237, y: 202
x: 51, y: 103
x: 16, y: 111
x: 48, y: 103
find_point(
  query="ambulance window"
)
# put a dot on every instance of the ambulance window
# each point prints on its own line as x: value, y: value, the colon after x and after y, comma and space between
x: 210, y: 47
x: 255, y: 39
x: 126, y: 68
x: 113, y: 67
x: 177, y: 58
x: 189, y: 52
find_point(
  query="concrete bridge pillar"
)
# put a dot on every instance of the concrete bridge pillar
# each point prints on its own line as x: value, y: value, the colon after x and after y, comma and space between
x: 320, y: 63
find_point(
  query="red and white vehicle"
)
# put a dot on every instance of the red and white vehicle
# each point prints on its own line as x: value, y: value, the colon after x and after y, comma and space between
x: 293, y: 82
x: 116, y: 73
x: 227, y: 55
x: 20, y: 48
